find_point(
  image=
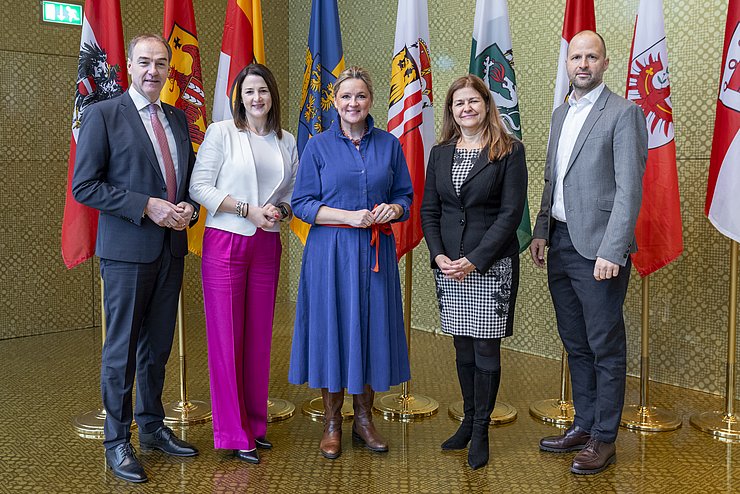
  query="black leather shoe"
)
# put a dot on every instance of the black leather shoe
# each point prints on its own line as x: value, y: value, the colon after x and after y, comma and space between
x: 594, y: 458
x: 574, y: 439
x: 250, y: 456
x: 166, y: 441
x: 263, y: 443
x: 122, y: 460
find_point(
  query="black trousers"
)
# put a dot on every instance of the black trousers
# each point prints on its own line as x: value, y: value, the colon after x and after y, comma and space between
x: 591, y: 325
x: 140, y: 310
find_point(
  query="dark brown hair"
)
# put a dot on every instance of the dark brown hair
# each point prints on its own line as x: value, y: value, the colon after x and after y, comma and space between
x: 237, y: 107
x: 499, y: 141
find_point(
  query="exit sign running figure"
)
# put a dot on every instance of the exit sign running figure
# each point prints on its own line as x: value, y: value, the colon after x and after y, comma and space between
x: 61, y: 13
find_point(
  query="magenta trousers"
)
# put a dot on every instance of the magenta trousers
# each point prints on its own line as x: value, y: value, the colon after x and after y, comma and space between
x: 240, y: 279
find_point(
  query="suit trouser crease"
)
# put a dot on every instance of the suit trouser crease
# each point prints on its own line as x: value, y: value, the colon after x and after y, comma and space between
x: 591, y: 326
x: 140, y: 302
x: 240, y: 278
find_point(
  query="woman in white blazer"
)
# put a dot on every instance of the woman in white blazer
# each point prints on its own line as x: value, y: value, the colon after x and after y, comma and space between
x: 244, y: 177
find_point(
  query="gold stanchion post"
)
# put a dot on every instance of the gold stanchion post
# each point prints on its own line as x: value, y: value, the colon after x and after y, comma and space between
x: 726, y: 425
x: 557, y: 411
x: 644, y: 417
x: 184, y: 412
x: 406, y: 406
x: 89, y: 425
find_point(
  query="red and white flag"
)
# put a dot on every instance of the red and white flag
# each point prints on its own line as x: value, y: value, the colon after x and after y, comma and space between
x: 579, y: 16
x: 410, y: 110
x: 101, y: 75
x: 723, y: 190
x: 659, y: 231
x: 241, y: 45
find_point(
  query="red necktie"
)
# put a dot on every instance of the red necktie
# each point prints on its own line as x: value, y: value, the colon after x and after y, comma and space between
x: 164, y: 147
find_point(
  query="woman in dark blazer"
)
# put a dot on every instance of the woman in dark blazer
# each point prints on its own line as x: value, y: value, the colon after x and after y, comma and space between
x: 476, y: 186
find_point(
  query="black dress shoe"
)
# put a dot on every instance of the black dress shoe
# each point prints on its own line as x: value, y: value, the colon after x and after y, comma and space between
x: 574, y: 439
x: 122, y: 460
x: 250, y: 456
x: 165, y: 440
x: 263, y: 443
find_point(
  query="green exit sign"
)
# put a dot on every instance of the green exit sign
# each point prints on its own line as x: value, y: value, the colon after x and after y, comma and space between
x: 61, y: 13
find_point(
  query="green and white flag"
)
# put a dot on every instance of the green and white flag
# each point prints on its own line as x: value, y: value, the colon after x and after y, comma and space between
x: 492, y: 59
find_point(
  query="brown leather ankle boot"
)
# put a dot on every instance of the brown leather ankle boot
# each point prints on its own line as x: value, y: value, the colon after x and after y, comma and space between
x: 331, y: 441
x: 362, y: 427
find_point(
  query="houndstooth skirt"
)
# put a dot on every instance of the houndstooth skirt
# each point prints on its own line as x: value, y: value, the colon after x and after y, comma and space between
x: 482, y: 305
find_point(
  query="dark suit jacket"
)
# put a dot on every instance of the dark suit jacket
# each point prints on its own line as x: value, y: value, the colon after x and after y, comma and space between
x: 602, y: 188
x: 486, y: 215
x: 116, y: 171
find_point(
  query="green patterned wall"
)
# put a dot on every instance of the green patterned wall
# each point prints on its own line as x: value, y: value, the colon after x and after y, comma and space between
x: 689, y: 297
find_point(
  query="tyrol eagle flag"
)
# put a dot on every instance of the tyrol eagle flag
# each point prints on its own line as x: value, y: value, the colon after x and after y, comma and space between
x: 410, y: 110
x: 101, y: 75
x: 658, y: 232
x: 324, y: 63
x: 492, y: 59
x: 723, y: 197
x: 184, y: 86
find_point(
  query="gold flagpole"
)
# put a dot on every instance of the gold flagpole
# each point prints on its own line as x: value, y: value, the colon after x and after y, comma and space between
x: 89, y: 425
x: 557, y: 411
x: 185, y: 411
x: 406, y: 406
x: 726, y: 425
x: 644, y: 417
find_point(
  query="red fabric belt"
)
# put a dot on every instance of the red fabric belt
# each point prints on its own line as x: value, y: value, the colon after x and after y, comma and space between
x: 375, y: 230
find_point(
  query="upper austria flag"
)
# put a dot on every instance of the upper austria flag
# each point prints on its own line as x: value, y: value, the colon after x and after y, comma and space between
x: 723, y: 190
x: 492, y: 59
x: 324, y: 62
x: 184, y: 87
x: 241, y: 45
x: 579, y: 16
x: 101, y: 75
x: 659, y: 231
x: 410, y: 110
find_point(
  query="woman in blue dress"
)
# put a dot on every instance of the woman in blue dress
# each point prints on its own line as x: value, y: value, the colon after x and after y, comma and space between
x: 352, y: 183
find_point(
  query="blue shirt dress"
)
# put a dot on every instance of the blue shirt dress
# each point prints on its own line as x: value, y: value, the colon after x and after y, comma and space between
x: 349, y: 319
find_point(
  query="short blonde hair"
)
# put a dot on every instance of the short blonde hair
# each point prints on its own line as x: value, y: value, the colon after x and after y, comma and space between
x: 355, y: 72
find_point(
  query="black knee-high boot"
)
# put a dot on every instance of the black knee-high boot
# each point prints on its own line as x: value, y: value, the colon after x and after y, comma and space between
x: 461, y: 438
x: 486, y: 389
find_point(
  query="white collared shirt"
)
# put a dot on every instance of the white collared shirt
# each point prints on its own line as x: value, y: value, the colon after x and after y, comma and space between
x: 142, y: 106
x: 577, y: 113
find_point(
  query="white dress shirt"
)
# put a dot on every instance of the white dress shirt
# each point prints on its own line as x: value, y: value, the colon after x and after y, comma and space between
x: 572, y: 125
x: 142, y: 106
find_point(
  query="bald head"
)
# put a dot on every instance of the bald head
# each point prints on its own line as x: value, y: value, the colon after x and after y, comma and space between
x: 591, y: 35
x: 586, y: 62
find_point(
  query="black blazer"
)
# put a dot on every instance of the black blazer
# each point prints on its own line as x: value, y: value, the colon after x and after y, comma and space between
x: 485, y: 217
x: 116, y: 171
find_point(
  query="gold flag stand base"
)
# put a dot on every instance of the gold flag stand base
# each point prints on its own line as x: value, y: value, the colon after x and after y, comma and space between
x: 184, y: 413
x: 90, y: 425
x: 553, y: 411
x: 503, y: 413
x: 719, y: 424
x: 315, y: 409
x: 279, y: 409
x: 649, y: 419
x: 405, y: 407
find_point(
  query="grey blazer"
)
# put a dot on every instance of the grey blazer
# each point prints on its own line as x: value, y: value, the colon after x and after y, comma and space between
x: 602, y: 188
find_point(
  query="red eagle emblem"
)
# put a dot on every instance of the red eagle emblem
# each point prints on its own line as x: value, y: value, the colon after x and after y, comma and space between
x: 649, y: 83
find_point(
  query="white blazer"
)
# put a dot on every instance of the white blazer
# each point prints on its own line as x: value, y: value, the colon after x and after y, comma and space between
x: 225, y: 166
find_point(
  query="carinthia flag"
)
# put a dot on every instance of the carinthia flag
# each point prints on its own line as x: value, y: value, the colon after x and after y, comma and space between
x: 723, y: 196
x: 659, y: 231
x: 241, y: 45
x: 324, y: 62
x: 492, y: 59
x: 101, y: 75
x: 184, y: 87
x: 579, y: 16
x: 410, y: 110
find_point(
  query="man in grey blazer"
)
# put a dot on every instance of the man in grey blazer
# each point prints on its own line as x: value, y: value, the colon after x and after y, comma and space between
x: 593, y: 189
x: 133, y: 163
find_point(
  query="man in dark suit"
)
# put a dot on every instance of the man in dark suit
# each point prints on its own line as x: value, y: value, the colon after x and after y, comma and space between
x: 592, y: 194
x: 133, y: 164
